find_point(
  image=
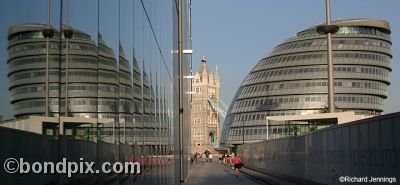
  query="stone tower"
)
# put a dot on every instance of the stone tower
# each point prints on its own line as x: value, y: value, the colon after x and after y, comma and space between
x: 205, y: 130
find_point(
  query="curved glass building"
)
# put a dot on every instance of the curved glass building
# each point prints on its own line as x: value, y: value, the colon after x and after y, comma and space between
x: 93, y: 82
x: 292, y: 79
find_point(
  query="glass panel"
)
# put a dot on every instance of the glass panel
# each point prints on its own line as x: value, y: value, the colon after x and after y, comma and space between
x: 108, y: 74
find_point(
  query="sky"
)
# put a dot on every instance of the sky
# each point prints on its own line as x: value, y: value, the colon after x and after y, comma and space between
x: 235, y: 34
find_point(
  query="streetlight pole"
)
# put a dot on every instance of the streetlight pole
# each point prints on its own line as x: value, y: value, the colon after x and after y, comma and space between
x: 331, y: 86
x: 329, y: 29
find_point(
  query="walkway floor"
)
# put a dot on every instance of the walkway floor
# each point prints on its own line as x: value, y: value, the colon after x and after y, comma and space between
x: 215, y: 174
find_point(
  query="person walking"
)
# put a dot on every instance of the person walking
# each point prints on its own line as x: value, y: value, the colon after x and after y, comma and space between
x: 195, y: 157
x: 203, y: 157
x: 226, y: 161
x: 220, y: 158
x: 237, y: 163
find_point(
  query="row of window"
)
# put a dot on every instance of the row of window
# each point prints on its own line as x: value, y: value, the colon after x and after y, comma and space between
x: 33, y: 60
x: 249, y: 131
x: 316, y: 83
x: 359, y: 99
x: 196, y: 107
x: 124, y: 64
x: 211, y: 76
x: 274, y: 131
x: 105, y: 49
x: 262, y: 115
x: 39, y: 35
x: 125, y: 75
x: 276, y: 101
x: 264, y: 101
x: 197, y: 138
x: 86, y: 88
x: 73, y: 61
x: 125, y: 89
x: 53, y: 45
x: 126, y: 105
x: 291, y: 58
x: 21, y: 76
x: 137, y: 76
x: 336, y: 43
x: 137, y: 89
x: 301, y: 70
x: 198, y: 131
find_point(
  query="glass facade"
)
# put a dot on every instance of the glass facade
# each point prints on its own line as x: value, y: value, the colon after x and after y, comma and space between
x: 292, y: 79
x: 110, y: 61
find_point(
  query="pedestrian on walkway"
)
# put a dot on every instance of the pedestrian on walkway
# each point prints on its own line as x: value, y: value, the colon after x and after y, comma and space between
x: 220, y: 158
x: 194, y: 157
x: 237, y: 164
x: 203, y: 157
x: 227, y: 160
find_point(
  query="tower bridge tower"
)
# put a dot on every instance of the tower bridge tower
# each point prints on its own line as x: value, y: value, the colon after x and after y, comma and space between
x: 205, y: 131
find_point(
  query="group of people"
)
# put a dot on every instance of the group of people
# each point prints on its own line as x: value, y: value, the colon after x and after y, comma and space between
x: 234, y: 161
x: 206, y: 156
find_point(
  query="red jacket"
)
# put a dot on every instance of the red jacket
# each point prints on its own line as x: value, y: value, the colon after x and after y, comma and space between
x: 236, y: 160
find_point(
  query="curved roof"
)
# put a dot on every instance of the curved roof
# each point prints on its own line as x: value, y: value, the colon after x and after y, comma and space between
x: 364, y: 22
x: 37, y: 27
x: 27, y: 27
x: 359, y: 22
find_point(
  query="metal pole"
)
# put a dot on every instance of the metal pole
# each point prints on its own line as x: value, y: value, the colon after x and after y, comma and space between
x: 67, y: 37
x: 180, y: 61
x: 47, y: 63
x: 267, y: 129
x: 331, y: 95
x: 66, y: 77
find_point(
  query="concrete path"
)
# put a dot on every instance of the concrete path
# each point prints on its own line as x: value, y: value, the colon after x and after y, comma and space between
x: 215, y: 174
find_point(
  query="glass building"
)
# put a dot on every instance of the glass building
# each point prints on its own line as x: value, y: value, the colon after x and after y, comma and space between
x: 99, y: 60
x: 292, y: 79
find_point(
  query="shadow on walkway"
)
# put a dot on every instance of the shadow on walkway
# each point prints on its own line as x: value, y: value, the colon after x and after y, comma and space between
x: 215, y: 174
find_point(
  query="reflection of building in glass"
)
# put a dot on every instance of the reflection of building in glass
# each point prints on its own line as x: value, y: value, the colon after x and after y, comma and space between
x: 109, y: 102
x: 93, y: 82
x: 96, y: 86
x: 205, y: 121
x: 292, y: 79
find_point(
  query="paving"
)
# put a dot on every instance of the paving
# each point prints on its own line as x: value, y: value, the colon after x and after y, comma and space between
x: 215, y: 174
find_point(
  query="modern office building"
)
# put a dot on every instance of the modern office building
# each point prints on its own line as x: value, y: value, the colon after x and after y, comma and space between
x: 205, y: 128
x: 292, y: 79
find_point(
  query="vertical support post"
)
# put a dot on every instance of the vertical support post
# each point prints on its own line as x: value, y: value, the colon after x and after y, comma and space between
x: 331, y: 95
x: 180, y: 65
x: 47, y: 63
x: 267, y: 124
